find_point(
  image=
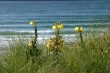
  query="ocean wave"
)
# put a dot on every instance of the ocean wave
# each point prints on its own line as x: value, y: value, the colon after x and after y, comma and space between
x: 53, y: 21
x: 40, y: 38
x: 24, y: 32
x: 48, y: 26
x: 47, y: 32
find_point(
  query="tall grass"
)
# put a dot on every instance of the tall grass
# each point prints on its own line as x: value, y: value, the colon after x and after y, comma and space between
x: 94, y: 57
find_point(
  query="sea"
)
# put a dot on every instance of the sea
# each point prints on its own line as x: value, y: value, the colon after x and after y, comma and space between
x: 16, y: 15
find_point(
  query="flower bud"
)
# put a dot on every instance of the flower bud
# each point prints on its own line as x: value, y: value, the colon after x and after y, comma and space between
x: 60, y: 26
x: 54, y: 27
x: 76, y: 29
x: 80, y: 29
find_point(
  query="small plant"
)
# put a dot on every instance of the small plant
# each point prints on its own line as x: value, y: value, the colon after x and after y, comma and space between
x: 33, y: 50
x: 34, y: 23
x: 80, y: 30
x: 55, y: 43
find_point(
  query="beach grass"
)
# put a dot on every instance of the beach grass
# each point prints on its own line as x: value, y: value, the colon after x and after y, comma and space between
x: 92, y: 57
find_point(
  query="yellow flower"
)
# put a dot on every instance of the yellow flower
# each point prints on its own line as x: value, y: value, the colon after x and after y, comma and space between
x: 59, y: 46
x: 49, y: 41
x: 76, y: 28
x: 60, y: 26
x: 30, y: 44
x: 48, y: 45
x: 80, y: 29
x: 31, y: 23
x: 55, y: 46
x: 54, y: 27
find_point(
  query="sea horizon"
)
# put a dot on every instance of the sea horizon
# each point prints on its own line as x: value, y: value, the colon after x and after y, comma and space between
x: 16, y: 15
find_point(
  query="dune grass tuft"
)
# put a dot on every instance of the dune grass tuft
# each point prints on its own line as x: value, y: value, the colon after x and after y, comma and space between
x: 93, y: 57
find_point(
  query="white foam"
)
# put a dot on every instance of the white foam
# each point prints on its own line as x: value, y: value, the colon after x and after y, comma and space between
x: 45, y: 31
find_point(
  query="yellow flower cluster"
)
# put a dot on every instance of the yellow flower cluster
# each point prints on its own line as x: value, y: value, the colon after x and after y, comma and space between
x: 57, y: 26
x: 52, y: 45
x: 33, y: 23
x: 30, y: 44
x: 79, y: 29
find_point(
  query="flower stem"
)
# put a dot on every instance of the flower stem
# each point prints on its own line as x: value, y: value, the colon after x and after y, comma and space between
x: 35, y: 39
x: 81, y: 38
x: 57, y: 37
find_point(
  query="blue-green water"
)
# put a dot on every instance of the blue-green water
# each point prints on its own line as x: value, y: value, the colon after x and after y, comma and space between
x: 16, y: 15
